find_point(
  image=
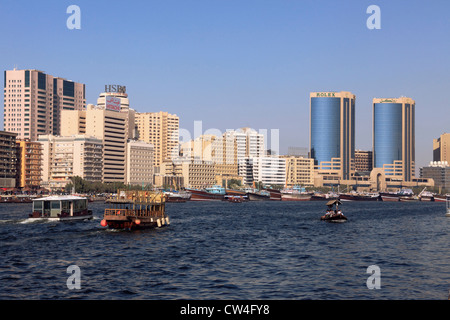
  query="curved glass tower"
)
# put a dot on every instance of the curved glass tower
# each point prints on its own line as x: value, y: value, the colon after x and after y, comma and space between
x: 393, y: 137
x: 332, y: 131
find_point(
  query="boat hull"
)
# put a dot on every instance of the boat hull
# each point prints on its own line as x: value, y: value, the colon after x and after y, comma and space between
x: 440, y: 198
x: 334, y: 218
x: 257, y: 197
x: 134, y: 223
x: 391, y: 198
x: 85, y: 216
x: 295, y: 197
x: 200, y: 195
x: 275, y: 195
x: 349, y: 197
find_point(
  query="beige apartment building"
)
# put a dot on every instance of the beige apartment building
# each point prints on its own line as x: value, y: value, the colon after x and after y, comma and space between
x: 33, y: 102
x: 139, y: 163
x: 29, y: 162
x: 299, y: 171
x: 8, y: 168
x: 111, y: 126
x: 441, y: 148
x: 68, y: 156
x: 161, y: 129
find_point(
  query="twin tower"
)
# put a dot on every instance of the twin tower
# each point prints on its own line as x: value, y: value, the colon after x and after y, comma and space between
x: 332, y: 135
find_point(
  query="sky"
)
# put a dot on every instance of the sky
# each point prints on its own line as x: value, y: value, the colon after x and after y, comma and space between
x: 243, y: 63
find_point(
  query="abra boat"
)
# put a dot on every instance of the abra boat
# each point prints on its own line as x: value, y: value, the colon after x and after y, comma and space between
x: 135, y: 210
x: 215, y: 193
x: 61, y: 208
x: 335, y: 215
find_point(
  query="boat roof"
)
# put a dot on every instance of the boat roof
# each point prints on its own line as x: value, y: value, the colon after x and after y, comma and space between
x: 334, y: 201
x: 59, y: 198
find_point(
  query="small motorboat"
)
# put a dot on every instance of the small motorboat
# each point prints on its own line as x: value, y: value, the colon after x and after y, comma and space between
x: 334, y: 215
x: 447, y: 214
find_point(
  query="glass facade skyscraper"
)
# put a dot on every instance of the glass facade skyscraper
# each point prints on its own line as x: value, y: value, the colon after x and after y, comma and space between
x: 332, y: 131
x: 393, y: 137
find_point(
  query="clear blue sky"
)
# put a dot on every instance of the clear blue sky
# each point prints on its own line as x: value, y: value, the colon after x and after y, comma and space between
x: 245, y: 62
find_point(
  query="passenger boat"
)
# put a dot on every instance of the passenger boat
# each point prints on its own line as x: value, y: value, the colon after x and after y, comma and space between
x: 215, y: 193
x: 135, y: 210
x: 61, y: 208
x: 335, y: 215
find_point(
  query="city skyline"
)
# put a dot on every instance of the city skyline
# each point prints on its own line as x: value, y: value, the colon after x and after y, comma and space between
x: 244, y: 64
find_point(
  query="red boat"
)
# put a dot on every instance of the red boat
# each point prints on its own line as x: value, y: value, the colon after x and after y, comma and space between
x: 208, y: 194
x: 440, y: 198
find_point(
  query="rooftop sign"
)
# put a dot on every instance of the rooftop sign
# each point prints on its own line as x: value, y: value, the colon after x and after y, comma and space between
x: 115, y: 88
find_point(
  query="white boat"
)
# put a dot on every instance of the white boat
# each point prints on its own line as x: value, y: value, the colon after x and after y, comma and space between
x: 61, y: 208
x: 447, y: 214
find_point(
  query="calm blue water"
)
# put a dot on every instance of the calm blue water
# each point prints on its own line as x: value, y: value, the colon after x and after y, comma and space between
x: 253, y: 250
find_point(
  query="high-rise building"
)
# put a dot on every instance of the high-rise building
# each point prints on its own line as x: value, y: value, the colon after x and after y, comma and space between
x: 394, y: 137
x: 111, y: 126
x: 64, y: 157
x: 363, y: 161
x: 439, y: 171
x: 441, y: 148
x: 332, y: 132
x: 8, y: 161
x: 29, y: 161
x: 299, y: 171
x: 33, y: 102
x: 139, y: 163
x: 268, y: 170
x: 162, y: 130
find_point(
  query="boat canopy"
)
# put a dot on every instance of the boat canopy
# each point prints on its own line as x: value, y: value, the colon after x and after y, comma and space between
x: 333, y: 202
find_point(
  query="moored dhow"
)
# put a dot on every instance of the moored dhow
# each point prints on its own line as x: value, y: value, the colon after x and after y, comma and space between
x: 132, y: 209
x: 61, y: 208
x: 295, y: 193
x: 215, y: 193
